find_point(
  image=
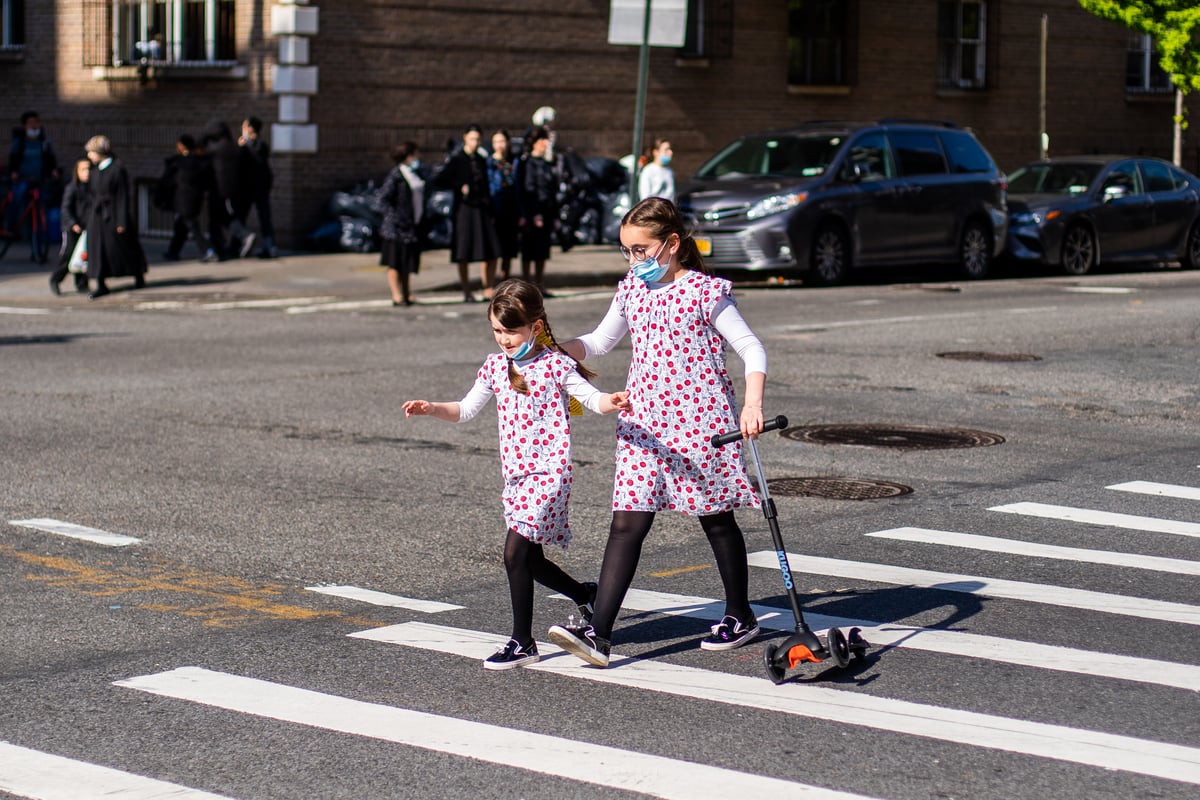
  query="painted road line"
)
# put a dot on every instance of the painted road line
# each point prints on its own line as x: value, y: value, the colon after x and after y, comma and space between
x: 566, y: 758
x: 42, y: 776
x: 1106, y: 518
x: 1116, y: 666
x: 818, y: 327
x: 1093, y: 748
x: 347, y: 305
x: 24, y: 311
x: 76, y: 531
x: 227, y: 305
x: 383, y: 599
x: 987, y: 587
x: 997, y: 545
x: 1099, y: 289
x: 1161, y: 489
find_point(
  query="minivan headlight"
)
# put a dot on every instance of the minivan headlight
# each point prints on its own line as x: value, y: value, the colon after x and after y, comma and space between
x: 775, y: 204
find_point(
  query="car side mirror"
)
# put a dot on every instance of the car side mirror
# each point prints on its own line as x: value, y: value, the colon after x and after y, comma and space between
x: 1115, y: 193
x: 854, y: 172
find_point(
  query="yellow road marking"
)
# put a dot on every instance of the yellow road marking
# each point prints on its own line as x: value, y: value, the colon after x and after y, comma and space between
x: 670, y: 572
x: 217, y: 600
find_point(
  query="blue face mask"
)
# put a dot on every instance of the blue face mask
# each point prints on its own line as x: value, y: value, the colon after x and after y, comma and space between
x: 664, y: 159
x: 649, y: 269
x: 523, y: 351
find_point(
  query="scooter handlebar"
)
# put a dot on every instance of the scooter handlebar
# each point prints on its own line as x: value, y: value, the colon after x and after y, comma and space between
x: 722, y: 439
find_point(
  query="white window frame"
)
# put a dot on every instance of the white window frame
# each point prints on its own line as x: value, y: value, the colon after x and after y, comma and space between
x: 173, y: 35
x: 6, y: 29
x: 1141, y: 46
x: 955, y: 78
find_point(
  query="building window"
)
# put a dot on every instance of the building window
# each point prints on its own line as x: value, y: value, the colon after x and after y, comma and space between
x: 709, y: 29
x: 962, y: 44
x: 1142, y: 72
x: 12, y: 24
x: 160, y: 32
x: 819, y: 42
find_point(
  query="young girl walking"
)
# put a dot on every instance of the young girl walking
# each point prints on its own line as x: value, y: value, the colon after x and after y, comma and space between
x: 531, y: 379
x: 679, y: 319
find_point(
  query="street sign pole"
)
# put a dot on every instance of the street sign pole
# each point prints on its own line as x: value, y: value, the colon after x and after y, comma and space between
x: 639, y: 114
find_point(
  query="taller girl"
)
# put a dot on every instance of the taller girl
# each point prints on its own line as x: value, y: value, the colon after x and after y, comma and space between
x: 679, y: 319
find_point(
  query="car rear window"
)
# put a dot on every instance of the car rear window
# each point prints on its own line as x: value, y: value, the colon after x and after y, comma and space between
x: 917, y: 153
x: 1158, y: 177
x: 965, y: 154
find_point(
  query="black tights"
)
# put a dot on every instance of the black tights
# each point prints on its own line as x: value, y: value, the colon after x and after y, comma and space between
x: 526, y: 563
x: 624, y: 548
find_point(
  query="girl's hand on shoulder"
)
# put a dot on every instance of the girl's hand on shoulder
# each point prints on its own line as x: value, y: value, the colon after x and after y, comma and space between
x: 417, y: 408
x: 752, y: 421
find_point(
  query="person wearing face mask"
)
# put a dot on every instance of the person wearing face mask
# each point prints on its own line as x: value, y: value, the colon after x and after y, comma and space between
x: 657, y: 179
x: 31, y: 162
x: 474, y: 237
x: 679, y: 320
x: 531, y: 379
x: 401, y: 199
x: 113, y: 246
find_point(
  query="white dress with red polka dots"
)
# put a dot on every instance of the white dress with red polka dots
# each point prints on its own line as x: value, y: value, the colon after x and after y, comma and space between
x: 535, y: 439
x: 680, y: 395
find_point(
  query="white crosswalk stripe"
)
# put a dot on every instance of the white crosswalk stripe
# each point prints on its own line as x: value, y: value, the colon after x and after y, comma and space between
x: 622, y: 769
x: 1107, y: 518
x: 986, y: 587
x: 1160, y: 489
x: 994, y: 544
x: 1109, y: 751
x: 44, y: 776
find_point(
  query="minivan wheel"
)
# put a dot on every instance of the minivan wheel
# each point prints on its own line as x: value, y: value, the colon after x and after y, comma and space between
x: 1191, y: 256
x: 1078, y: 250
x: 830, y: 261
x: 975, y: 251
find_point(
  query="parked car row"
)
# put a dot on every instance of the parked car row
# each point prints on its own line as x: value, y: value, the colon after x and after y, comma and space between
x: 828, y: 197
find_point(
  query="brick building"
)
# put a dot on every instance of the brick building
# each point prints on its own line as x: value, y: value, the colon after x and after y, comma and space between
x: 339, y: 82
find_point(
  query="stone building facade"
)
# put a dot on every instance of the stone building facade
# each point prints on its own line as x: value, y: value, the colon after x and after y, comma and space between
x: 339, y: 82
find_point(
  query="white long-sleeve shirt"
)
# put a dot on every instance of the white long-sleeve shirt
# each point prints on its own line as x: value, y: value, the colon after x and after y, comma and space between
x: 576, y: 385
x: 725, y: 318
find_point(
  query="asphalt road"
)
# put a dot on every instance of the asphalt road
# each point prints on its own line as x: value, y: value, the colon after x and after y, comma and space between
x: 245, y: 430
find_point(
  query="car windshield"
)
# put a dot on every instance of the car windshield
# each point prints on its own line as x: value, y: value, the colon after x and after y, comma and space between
x: 1053, y: 179
x: 758, y: 156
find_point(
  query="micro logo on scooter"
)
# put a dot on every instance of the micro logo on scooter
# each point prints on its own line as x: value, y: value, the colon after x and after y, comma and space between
x: 783, y: 567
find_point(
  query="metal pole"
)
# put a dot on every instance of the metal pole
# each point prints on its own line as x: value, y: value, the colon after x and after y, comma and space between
x: 1042, y: 138
x: 1177, y: 147
x: 640, y: 112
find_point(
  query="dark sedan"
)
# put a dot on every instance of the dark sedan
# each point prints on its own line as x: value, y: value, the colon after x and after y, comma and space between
x: 1082, y: 211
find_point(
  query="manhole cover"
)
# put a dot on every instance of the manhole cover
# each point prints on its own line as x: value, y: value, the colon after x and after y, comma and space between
x: 901, y: 437
x: 837, y: 488
x: 971, y: 355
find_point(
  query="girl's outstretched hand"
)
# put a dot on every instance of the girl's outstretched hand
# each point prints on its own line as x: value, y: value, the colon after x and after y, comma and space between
x: 417, y: 408
x: 752, y: 421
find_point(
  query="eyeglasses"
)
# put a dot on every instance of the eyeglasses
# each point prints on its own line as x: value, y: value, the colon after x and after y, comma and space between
x: 639, y: 251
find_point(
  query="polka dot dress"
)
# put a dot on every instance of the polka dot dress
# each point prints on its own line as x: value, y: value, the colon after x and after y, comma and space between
x: 680, y: 395
x: 535, y: 445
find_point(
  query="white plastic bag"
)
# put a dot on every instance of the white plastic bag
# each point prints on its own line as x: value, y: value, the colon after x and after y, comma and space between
x: 78, y: 262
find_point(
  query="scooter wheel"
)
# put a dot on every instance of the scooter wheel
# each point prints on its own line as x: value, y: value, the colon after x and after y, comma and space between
x: 858, y: 645
x: 774, y: 672
x: 839, y: 649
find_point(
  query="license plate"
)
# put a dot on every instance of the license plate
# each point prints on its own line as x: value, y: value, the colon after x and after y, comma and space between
x: 704, y: 245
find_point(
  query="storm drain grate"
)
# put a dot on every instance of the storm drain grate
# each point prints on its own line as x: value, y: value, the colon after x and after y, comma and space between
x: 837, y: 488
x: 901, y: 437
x: 972, y: 355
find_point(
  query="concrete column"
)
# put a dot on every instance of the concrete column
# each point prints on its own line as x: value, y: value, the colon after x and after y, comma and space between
x: 294, y: 79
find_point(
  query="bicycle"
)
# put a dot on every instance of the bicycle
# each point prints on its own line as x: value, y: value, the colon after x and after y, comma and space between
x: 32, y: 217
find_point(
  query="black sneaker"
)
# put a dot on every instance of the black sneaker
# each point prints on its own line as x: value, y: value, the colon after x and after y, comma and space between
x: 582, y: 641
x: 512, y: 655
x: 729, y: 633
x: 587, y: 609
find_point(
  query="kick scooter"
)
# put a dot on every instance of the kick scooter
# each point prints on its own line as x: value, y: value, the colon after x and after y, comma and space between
x: 803, y: 645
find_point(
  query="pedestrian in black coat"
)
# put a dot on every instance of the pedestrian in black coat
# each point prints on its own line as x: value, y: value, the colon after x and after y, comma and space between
x: 474, y: 237
x: 401, y: 199
x: 74, y: 211
x: 189, y: 179
x: 257, y: 179
x: 113, y: 246
x: 227, y: 232
x: 538, y: 204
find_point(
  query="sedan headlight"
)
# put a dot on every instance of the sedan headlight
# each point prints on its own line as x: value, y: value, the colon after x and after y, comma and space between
x: 1033, y: 217
x: 775, y: 204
